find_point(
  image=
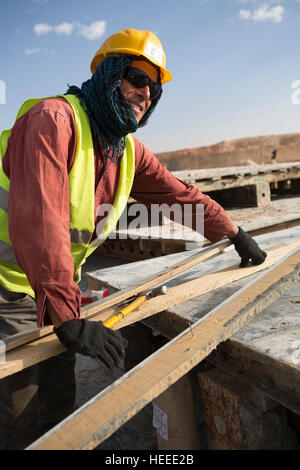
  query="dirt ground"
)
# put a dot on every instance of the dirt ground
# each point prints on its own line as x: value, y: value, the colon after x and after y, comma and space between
x: 247, y: 151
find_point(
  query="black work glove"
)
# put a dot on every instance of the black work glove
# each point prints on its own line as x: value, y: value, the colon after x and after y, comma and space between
x: 248, y: 249
x: 93, y: 339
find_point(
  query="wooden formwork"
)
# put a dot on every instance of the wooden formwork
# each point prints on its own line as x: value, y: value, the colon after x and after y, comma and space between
x: 257, y: 180
x: 104, y: 414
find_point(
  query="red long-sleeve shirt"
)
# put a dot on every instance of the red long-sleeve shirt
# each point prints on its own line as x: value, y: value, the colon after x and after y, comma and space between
x: 40, y: 154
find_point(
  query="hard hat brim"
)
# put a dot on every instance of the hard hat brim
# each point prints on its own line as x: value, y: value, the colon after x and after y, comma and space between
x: 166, y: 76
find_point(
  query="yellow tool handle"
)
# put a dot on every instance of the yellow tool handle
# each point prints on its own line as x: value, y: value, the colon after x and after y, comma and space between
x: 122, y: 313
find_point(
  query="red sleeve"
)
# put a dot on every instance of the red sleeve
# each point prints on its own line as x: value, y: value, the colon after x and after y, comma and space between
x: 39, y: 155
x: 155, y: 184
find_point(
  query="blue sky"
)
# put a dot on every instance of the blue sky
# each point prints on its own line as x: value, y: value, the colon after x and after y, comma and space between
x: 233, y: 61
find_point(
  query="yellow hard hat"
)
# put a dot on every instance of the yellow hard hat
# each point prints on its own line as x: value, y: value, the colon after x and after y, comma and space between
x: 139, y: 43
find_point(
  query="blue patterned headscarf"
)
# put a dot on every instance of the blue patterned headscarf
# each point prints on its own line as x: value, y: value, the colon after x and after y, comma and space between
x: 109, y: 112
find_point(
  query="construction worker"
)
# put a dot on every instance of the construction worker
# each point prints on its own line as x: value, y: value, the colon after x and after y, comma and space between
x: 64, y: 157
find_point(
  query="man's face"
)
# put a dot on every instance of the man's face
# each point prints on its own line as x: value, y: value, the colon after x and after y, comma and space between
x: 139, y: 98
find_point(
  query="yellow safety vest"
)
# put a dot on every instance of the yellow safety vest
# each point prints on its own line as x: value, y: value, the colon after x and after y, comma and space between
x: 82, y: 200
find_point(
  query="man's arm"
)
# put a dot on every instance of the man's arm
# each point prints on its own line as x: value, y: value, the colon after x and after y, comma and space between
x: 155, y: 184
x: 37, y: 163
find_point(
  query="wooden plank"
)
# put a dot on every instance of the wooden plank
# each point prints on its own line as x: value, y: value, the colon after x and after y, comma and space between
x: 275, y: 227
x: 197, y: 287
x: 44, y: 348
x: 101, y: 416
x: 125, y: 276
x: 245, y: 180
x: 192, y: 176
x: 18, y: 339
x: 214, y: 179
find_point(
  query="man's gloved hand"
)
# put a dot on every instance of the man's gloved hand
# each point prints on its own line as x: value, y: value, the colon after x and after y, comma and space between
x: 92, y: 339
x: 248, y: 249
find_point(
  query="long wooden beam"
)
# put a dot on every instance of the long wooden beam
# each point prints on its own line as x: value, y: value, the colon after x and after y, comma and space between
x: 49, y: 346
x: 98, y: 419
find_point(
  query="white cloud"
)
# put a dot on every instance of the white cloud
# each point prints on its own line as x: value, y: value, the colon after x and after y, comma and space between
x: 42, y: 28
x: 244, y: 2
x: 64, y: 28
x: 92, y: 32
x: 39, y: 50
x: 263, y: 13
x: 245, y: 14
x: 259, y: 2
x: 33, y: 51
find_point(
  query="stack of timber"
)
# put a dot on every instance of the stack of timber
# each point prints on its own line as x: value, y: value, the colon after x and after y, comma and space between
x: 258, y: 180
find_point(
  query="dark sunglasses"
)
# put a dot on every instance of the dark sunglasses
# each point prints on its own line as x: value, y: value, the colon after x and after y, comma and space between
x: 140, y: 79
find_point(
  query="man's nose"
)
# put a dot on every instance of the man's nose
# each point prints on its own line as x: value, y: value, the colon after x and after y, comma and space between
x: 145, y: 92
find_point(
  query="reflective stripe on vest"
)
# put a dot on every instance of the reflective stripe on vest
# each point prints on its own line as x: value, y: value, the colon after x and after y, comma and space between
x: 82, y: 200
x: 3, y: 199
